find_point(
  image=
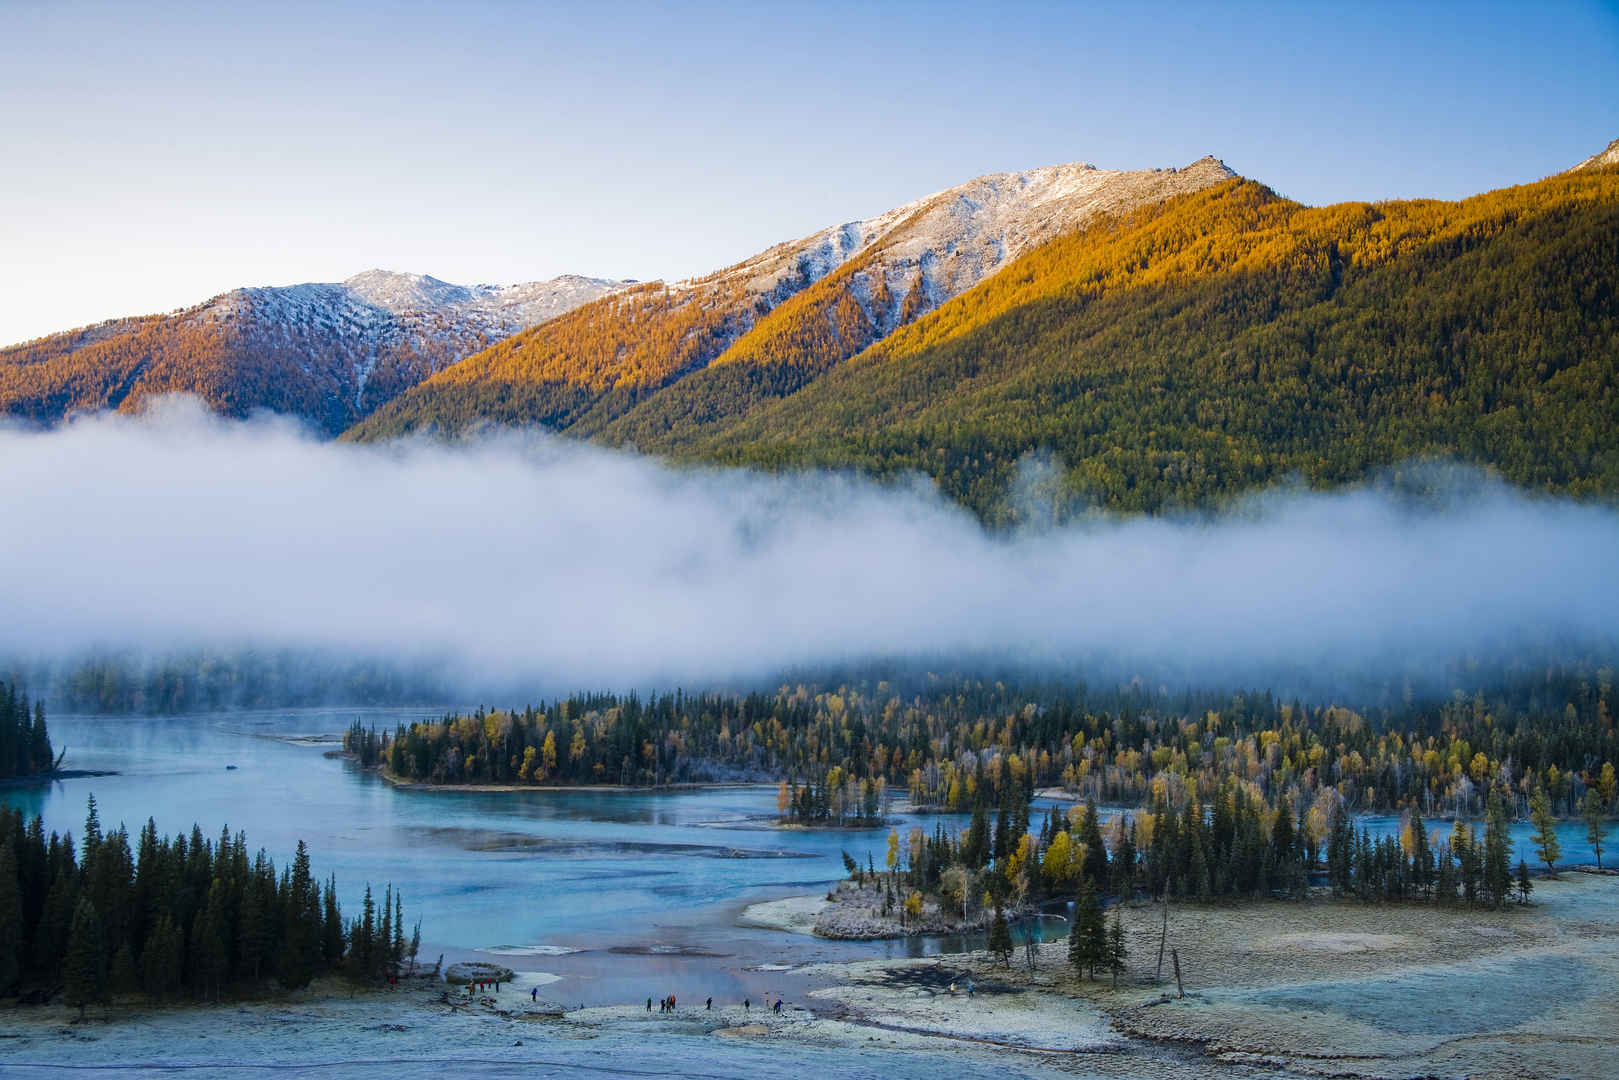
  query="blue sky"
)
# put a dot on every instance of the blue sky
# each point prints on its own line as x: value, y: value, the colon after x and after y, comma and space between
x: 157, y: 154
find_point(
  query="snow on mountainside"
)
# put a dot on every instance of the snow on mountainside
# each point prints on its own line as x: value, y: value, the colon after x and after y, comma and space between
x: 363, y: 321
x: 644, y: 362
x: 951, y: 240
x: 1610, y: 156
x: 328, y: 352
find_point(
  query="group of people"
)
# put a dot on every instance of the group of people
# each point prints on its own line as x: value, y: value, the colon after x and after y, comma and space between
x: 667, y: 1005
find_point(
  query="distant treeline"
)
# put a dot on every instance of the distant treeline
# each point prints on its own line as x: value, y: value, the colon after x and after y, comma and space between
x: 944, y: 740
x: 181, y: 916
x: 25, y: 742
x: 201, y: 681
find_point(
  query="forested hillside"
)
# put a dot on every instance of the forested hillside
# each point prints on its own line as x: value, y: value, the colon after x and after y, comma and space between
x: 643, y: 365
x: 1232, y: 338
x: 1171, y: 355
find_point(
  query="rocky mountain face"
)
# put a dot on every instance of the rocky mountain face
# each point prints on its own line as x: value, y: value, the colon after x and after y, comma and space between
x: 1610, y: 156
x: 330, y: 353
x: 768, y: 325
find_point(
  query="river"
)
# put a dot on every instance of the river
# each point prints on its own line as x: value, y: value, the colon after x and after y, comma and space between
x: 620, y: 895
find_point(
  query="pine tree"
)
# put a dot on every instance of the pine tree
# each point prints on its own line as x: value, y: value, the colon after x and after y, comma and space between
x: 300, y: 940
x: 1124, y: 864
x: 40, y: 739
x: 1000, y: 938
x: 84, y: 970
x: 1546, y: 844
x: 396, y: 951
x: 1090, y: 834
x: 1087, y: 936
x: 161, y: 957
x: 1115, y: 948
x: 11, y: 914
x: 362, y: 941
x: 210, y: 953
x: 1445, y: 880
x: 1525, y: 887
x: 975, y: 848
x: 1497, y: 854
x: 331, y: 929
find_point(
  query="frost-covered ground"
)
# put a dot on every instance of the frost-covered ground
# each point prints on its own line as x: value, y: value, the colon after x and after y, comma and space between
x: 1274, y: 989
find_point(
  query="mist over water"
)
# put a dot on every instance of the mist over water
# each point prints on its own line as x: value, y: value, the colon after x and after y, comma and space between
x: 526, y: 562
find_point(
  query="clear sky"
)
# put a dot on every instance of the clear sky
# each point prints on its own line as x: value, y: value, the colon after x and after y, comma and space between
x: 156, y: 154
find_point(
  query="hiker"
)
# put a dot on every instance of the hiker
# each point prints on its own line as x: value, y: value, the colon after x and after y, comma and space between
x: 777, y: 1006
x: 534, y: 994
x: 671, y: 1003
x: 709, y: 1005
x: 746, y: 1004
x: 648, y: 1004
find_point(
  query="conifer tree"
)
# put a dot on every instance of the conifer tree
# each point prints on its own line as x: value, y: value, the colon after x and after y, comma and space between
x: 11, y: 915
x: 975, y: 848
x: 1592, y: 810
x: 84, y: 970
x: 300, y: 940
x: 161, y: 958
x: 1546, y: 844
x: 396, y: 951
x: 1000, y: 938
x: 1525, y: 887
x: 1090, y: 834
x: 1087, y: 935
x: 331, y: 929
x: 1124, y: 863
x: 1497, y: 868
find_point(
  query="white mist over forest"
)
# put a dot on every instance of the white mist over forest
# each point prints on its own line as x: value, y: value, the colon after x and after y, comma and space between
x: 524, y: 560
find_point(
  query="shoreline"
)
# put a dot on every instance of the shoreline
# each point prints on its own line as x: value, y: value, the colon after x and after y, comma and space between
x: 55, y: 775
x: 615, y: 789
x: 1272, y: 987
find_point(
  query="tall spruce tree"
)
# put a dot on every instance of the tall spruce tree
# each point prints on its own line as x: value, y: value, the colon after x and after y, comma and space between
x: 1000, y: 938
x: 1497, y: 854
x: 84, y: 968
x: 11, y: 918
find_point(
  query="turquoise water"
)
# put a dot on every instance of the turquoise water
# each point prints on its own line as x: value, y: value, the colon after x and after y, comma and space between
x: 654, y: 880
x: 608, y: 889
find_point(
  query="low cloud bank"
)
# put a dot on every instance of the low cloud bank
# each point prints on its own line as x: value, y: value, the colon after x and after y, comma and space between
x: 536, y: 563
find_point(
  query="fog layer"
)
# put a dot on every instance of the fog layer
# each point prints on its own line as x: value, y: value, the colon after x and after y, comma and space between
x: 523, y: 561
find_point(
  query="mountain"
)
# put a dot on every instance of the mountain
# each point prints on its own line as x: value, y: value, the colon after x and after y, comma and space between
x: 330, y: 353
x: 658, y: 358
x: 1172, y: 349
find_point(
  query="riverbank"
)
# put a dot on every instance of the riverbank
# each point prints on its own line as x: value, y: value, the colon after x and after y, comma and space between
x: 1315, y: 988
x: 854, y: 913
x: 403, y: 784
x: 53, y: 776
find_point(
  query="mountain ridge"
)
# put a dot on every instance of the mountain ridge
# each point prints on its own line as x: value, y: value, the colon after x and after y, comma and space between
x: 329, y: 352
x: 589, y: 369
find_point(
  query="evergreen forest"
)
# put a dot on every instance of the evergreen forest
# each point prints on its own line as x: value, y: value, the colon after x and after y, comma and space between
x: 25, y: 740
x: 181, y: 917
x: 841, y: 751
